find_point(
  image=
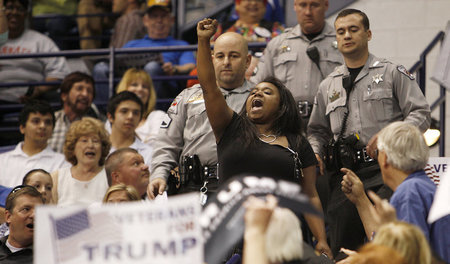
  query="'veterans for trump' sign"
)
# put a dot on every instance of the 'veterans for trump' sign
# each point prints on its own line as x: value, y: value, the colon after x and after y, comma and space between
x: 138, y: 232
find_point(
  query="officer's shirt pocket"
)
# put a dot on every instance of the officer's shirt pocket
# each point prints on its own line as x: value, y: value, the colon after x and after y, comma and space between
x: 197, y: 123
x: 284, y: 66
x: 335, y: 112
x: 380, y: 102
x: 329, y: 62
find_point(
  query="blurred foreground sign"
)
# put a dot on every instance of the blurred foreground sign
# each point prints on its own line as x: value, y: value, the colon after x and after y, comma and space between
x: 137, y: 232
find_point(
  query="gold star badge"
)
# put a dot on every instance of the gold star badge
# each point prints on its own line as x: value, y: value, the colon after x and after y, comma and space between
x: 377, y: 78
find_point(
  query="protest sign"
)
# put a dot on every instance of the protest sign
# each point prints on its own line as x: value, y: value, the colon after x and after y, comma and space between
x: 439, y: 166
x: 222, y: 219
x: 134, y: 232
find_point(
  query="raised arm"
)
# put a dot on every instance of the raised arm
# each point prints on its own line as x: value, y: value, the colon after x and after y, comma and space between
x: 219, y: 114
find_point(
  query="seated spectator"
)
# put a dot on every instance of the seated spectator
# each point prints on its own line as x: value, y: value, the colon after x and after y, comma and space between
x: 274, y: 12
x: 36, y: 124
x: 86, y: 147
x: 125, y: 111
x: 129, y: 25
x: 119, y: 193
x: 17, y: 247
x: 77, y: 94
x: 26, y: 41
x: 60, y: 23
x: 402, y: 155
x: 140, y: 83
x: 3, y: 25
x: 158, y: 21
x: 42, y: 181
x: 127, y: 166
x: 251, y: 23
x: 92, y: 26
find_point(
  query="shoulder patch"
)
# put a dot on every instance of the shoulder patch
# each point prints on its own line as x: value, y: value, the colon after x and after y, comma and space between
x: 165, y: 123
x: 196, y: 99
x: 403, y: 70
x: 173, y: 109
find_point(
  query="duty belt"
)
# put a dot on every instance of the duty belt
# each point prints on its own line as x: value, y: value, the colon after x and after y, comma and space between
x: 191, y: 170
x: 304, y: 108
x: 211, y: 172
x: 363, y: 157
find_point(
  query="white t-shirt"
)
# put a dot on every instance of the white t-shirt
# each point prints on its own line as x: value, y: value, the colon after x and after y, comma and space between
x: 16, y: 163
x: 29, y: 69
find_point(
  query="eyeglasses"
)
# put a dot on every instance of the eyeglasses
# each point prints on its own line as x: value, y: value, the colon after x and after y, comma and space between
x: 20, y: 187
x: 19, y: 9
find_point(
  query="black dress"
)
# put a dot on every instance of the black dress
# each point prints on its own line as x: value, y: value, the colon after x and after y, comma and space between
x: 260, y: 158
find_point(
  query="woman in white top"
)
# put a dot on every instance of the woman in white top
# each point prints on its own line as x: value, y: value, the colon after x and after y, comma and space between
x: 86, y: 147
x: 140, y: 83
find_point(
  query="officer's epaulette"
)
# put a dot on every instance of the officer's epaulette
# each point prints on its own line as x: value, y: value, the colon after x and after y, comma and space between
x: 338, y: 71
x: 287, y: 30
x: 379, y: 63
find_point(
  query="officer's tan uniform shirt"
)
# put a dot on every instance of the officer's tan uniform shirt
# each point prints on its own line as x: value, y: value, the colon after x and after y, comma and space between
x: 285, y: 58
x: 382, y: 93
x: 187, y: 131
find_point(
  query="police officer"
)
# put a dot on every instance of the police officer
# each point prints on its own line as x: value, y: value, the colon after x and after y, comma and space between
x: 302, y: 56
x: 352, y: 105
x: 187, y: 131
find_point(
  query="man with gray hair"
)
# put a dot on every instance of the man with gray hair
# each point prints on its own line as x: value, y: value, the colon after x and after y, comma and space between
x: 402, y: 156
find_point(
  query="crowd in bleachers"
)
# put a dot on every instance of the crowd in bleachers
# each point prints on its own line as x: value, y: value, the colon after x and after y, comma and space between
x: 315, y: 108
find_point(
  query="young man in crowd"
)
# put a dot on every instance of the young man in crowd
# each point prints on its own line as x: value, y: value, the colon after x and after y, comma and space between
x: 36, y: 124
x: 125, y: 111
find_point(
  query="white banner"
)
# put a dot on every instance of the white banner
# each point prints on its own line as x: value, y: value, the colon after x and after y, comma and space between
x: 439, y: 167
x: 137, y: 232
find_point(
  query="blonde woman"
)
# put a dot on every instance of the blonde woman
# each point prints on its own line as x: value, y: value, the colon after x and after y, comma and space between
x: 86, y: 147
x: 121, y: 193
x: 140, y: 83
x: 406, y: 239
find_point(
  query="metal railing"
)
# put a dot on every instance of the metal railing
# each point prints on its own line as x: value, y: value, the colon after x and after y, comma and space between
x: 420, y: 67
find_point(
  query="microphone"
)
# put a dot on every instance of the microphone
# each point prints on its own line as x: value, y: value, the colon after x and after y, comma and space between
x: 314, y: 55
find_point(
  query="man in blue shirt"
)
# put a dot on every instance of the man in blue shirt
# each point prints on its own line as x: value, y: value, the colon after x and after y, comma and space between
x: 402, y: 155
x: 159, y: 20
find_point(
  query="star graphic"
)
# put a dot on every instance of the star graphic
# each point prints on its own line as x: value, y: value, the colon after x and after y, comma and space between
x: 377, y: 78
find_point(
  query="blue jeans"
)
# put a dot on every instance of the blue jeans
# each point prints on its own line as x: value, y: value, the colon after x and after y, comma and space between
x: 101, y: 73
x: 164, y: 89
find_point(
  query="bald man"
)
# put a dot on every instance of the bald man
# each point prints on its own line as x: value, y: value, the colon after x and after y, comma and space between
x: 186, y: 138
x: 127, y: 166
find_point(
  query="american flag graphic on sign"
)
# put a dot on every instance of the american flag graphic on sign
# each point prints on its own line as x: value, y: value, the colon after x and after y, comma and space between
x: 80, y: 228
